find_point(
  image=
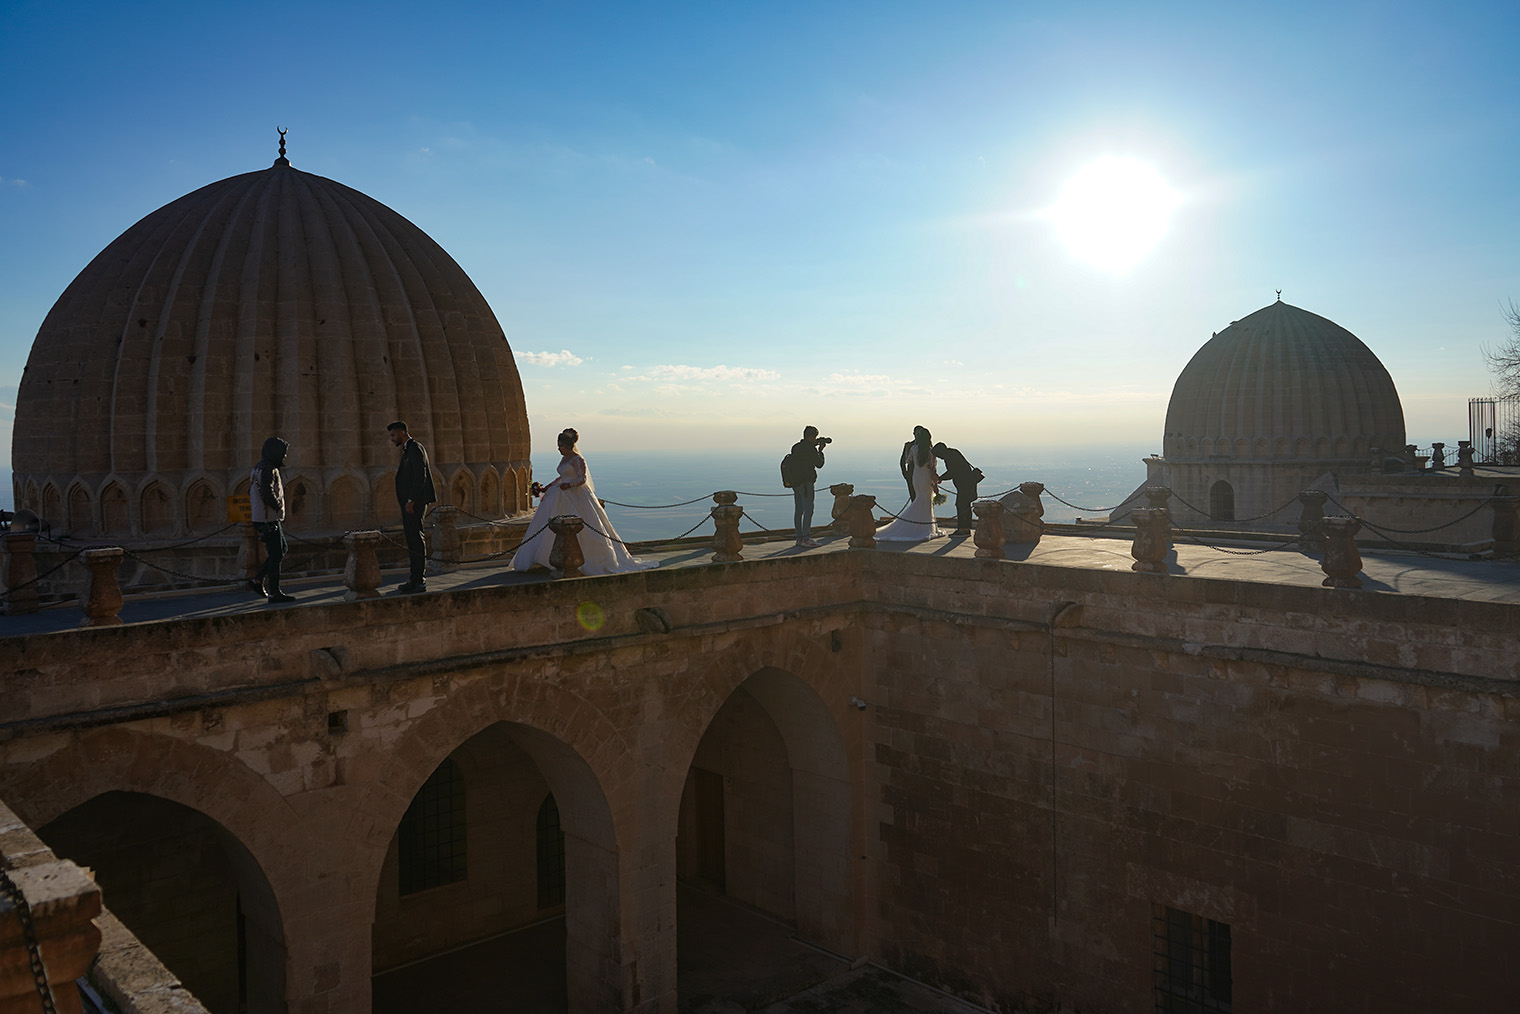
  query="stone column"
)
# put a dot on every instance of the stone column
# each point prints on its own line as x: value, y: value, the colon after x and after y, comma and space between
x: 988, y: 536
x: 861, y: 516
x: 62, y: 902
x: 361, y: 574
x: 1343, y: 561
x: 1022, y: 511
x: 20, y: 572
x: 102, y: 606
x: 1311, y: 531
x: 842, y: 492
x: 1153, y: 539
x: 446, y: 553
x: 728, y: 547
x: 1464, y: 457
x: 1437, y: 456
x: 1504, y: 529
x: 566, y: 558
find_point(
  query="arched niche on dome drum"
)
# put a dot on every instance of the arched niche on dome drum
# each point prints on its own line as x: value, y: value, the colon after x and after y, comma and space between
x: 348, y: 508
x: 490, y: 494
x: 1222, y: 501
x: 203, y: 508
x: 461, y: 490
x: 81, y: 519
x: 52, y: 506
x: 156, y: 508
x: 302, y: 506
x: 29, y: 498
x: 115, y: 516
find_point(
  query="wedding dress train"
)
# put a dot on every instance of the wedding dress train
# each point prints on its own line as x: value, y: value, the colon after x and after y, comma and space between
x: 603, y: 550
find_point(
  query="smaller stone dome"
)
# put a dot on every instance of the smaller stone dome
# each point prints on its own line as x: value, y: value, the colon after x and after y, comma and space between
x: 1283, y: 384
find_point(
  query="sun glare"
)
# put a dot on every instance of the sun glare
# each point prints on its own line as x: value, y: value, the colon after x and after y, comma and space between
x: 1113, y: 212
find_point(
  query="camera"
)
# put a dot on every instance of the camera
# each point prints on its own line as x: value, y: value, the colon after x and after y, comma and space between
x: 821, y: 441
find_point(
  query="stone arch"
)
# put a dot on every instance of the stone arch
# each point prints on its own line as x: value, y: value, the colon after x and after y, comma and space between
x: 52, y: 506
x: 115, y: 517
x: 203, y: 509
x: 347, y: 503
x: 1242, y: 448
x: 303, y: 501
x: 29, y: 497
x: 462, y: 489
x: 1322, y: 447
x: 383, y: 496
x: 512, y: 491
x: 263, y: 833
x: 156, y: 509
x: 490, y: 494
x: 1206, y: 447
x: 1263, y: 447
x: 81, y: 518
x: 1303, y: 447
x: 808, y: 700
x: 1222, y: 501
x: 1342, y: 447
x: 583, y: 759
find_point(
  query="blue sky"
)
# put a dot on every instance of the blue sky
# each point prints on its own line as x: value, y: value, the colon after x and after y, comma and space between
x: 711, y: 223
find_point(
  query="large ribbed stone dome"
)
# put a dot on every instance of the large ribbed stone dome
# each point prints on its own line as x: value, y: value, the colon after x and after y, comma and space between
x: 1283, y: 383
x: 271, y: 303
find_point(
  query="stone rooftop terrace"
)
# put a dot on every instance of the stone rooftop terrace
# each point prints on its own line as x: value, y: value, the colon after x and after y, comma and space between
x: 1383, y: 572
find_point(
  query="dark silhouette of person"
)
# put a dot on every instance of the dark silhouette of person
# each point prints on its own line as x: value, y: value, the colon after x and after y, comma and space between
x: 266, y: 495
x: 966, y: 477
x: 414, y: 491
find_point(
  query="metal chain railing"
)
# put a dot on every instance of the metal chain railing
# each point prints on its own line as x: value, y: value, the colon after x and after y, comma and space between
x: 1420, y: 531
x: 18, y: 901
x: 1258, y: 517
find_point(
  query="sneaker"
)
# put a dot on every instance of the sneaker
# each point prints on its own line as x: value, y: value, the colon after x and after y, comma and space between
x: 412, y: 587
x: 255, y: 586
x: 280, y: 597
x: 808, y: 543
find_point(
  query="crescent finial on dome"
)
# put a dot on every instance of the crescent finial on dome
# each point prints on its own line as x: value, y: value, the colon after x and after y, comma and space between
x: 282, y: 160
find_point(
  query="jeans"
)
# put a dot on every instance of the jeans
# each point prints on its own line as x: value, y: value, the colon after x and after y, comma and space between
x: 272, y: 534
x: 802, y: 514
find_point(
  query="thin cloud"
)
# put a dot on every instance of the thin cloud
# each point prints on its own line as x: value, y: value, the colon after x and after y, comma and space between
x: 564, y: 357
x: 13, y: 182
x: 699, y: 374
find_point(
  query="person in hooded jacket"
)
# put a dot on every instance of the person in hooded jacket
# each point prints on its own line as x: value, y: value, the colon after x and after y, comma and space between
x: 267, y: 497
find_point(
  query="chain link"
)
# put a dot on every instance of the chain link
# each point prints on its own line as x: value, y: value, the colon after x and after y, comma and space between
x: 18, y: 901
x: 1416, y: 531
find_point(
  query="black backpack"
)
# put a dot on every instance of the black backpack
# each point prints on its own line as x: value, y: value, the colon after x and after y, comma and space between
x: 788, y: 470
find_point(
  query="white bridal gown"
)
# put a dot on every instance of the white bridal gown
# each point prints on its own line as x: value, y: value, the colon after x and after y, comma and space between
x: 603, y: 555
x: 916, y: 524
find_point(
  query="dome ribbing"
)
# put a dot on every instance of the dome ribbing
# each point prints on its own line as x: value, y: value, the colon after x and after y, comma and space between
x: 1283, y: 383
x: 271, y: 303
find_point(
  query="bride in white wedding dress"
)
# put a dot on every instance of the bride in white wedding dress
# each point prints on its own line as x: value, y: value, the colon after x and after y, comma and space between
x: 574, y: 493
x: 916, y: 523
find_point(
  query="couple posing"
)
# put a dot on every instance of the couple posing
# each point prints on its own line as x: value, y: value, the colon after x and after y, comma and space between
x: 916, y: 522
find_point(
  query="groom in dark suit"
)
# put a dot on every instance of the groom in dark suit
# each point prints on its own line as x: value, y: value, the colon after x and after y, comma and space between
x: 965, y: 476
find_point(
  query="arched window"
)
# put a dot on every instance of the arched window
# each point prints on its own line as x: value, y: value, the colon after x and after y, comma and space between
x: 431, y: 838
x: 1222, y: 501
x: 551, y: 855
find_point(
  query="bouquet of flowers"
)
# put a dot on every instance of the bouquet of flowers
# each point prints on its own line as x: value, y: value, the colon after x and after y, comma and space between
x: 939, y: 498
x: 536, y: 490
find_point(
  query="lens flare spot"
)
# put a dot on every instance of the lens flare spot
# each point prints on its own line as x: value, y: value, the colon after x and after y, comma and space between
x: 590, y: 616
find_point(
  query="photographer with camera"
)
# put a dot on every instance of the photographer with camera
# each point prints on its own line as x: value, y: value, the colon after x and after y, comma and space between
x: 806, y: 459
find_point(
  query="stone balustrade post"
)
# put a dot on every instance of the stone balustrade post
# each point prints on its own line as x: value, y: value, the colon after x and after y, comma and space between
x: 988, y: 537
x: 1437, y: 456
x: 1377, y: 459
x: 1153, y: 539
x: 102, y: 604
x: 1342, y: 562
x: 861, y: 516
x: 361, y: 573
x: 842, y: 492
x: 62, y: 902
x: 1504, y: 530
x: 1310, y: 528
x: 20, y: 573
x: 566, y: 557
x: 446, y: 545
x: 1464, y: 457
x: 1412, y: 457
x: 728, y: 546
x: 1160, y: 499
x: 1022, y: 513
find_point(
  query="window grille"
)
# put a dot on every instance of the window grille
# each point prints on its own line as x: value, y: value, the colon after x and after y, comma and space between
x: 432, y: 833
x: 1190, y: 963
x: 551, y: 855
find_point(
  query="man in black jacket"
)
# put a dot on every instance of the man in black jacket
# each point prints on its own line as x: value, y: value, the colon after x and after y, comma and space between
x: 414, y: 491
x: 965, y: 476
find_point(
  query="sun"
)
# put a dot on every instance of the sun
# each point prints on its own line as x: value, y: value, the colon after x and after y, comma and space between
x: 1113, y: 212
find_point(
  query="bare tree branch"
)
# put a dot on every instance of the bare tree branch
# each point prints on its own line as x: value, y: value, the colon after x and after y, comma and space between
x: 1504, y: 361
